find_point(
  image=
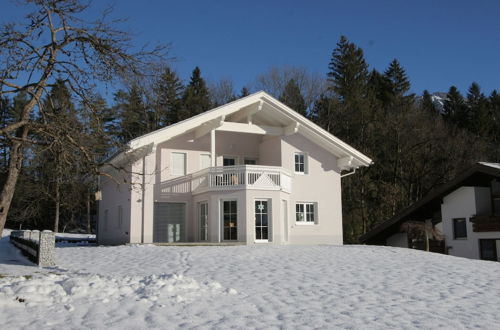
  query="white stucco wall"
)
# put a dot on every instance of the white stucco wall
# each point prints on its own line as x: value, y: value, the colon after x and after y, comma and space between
x: 464, y: 203
x: 115, y: 192
x: 321, y: 185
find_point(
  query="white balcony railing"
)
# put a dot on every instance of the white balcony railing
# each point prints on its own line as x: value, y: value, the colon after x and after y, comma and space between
x: 241, y: 177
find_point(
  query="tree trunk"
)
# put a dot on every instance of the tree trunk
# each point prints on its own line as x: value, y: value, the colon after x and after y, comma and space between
x: 58, y: 208
x: 89, y: 230
x: 15, y: 164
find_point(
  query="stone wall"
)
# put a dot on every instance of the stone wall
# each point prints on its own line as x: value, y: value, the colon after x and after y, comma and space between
x: 39, y: 247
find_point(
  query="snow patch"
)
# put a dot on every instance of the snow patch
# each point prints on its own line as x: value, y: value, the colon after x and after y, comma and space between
x: 68, y: 290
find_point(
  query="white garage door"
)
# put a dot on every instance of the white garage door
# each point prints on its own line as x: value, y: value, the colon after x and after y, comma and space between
x: 169, y: 222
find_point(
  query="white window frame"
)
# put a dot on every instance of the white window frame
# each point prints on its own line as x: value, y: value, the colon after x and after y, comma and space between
x: 200, y: 229
x: 268, y: 201
x: 304, y: 213
x: 172, y: 170
x: 305, y: 163
x: 221, y: 230
x: 119, y: 216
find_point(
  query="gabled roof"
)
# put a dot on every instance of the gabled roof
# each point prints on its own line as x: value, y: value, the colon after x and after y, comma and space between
x: 267, y: 113
x: 478, y: 175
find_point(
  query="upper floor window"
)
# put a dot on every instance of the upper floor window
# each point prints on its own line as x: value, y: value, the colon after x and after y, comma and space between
x: 228, y: 161
x: 250, y: 161
x: 178, y: 163
x: 459, y: 228
x: 300, y: 163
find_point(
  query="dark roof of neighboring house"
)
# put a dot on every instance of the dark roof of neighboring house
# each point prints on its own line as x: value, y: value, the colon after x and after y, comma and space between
x: 478, y: 175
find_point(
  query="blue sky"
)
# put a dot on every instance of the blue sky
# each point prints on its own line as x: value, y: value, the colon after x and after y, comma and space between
x: 439, y: 43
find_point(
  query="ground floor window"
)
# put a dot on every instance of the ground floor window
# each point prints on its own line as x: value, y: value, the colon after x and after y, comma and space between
x: 459, y: 228
x: 230, y: 220
x: 489, y: 249
x: 203, y: 221
x: 305, y: 212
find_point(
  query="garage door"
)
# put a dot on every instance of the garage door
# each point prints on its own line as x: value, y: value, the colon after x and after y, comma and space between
x: 169, y: 222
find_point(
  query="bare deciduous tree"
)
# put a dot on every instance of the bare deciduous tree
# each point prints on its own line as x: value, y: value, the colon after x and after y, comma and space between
x: 311, y: 85
x: 56, y: 42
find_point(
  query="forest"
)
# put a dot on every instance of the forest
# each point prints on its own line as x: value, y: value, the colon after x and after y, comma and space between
x: 416, y: 142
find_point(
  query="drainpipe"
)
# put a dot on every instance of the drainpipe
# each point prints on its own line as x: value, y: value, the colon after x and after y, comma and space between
x: 349, y: 173
x: 143, y: 191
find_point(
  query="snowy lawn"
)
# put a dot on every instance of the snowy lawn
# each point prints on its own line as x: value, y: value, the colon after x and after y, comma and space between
x: 287, y: 287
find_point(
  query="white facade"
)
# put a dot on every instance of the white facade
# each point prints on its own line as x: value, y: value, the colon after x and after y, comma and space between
x: 253, y: 171
x: 464, y: 203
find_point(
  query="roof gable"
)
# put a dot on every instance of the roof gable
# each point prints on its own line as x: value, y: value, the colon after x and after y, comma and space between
x: 478, y: 175
x: 262, y: 114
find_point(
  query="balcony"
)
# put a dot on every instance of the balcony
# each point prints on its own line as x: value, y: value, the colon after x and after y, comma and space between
x: 485, y: 223
x: 241, y: 177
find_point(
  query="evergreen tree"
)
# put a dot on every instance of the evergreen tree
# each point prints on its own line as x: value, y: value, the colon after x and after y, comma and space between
x: 168, y: 91
x: 196, y: 97
x: 348, y: 75
x: 380, y: 87
x: 292, y: 97
x: 454, y: 108
x: 427, y: 103
x: 133, y: 116
x: 398, y: 80
x: 480, y: 116
x: 244, y: 92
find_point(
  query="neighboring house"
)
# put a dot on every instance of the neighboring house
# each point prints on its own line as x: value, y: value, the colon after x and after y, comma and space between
x: 465, y: 210
x: 252, y: 170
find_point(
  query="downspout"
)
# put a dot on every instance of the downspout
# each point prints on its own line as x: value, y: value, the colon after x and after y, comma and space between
x: 349, y: 173
x: 143, y: 196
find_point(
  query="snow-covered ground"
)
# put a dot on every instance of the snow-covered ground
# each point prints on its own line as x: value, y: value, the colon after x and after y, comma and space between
x: 263, y: 287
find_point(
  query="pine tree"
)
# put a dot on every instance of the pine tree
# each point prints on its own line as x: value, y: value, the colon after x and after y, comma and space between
x: 427, y: 103
x: 292, y: 97
x: 348, y: 75
x: 168, y: 93
x: 133, y: 116
x: 454, y: 108
x: 398, y: 80
x: 196, y: 98
x: 480, y: 117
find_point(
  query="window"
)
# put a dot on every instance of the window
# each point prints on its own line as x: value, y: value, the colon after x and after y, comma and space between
x: 120, y: 216
x: 305, y: 213
x: 228, y: 161
x: 178, y: 163
x: 488, y: 249
x: 300, y: 163
x: 459, y: 228
x: 105, y: 225
x: 205, y: 161
x: 250, y: 161
x: 229, y: 211
x: 203, y: 221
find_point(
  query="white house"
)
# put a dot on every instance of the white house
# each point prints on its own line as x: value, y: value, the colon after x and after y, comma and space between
x: 466, y: 211
x: 250, y: 171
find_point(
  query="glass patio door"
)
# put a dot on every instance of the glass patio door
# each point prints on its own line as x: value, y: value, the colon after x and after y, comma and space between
x: 203, y: 212
x: 261, y: 220
x: 230, y: 220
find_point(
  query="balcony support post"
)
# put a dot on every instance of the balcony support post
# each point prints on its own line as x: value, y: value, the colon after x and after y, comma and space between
x: 212, y: 148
